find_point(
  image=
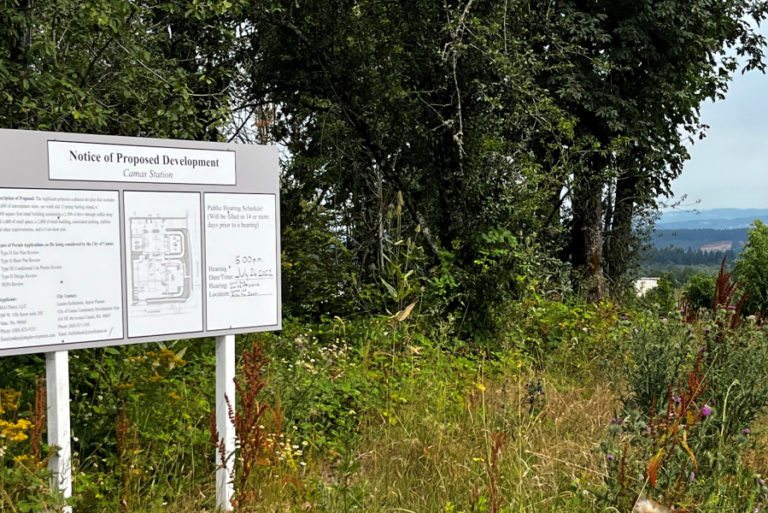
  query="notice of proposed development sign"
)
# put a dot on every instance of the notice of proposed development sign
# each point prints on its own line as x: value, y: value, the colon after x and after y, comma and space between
x: 112, y: 240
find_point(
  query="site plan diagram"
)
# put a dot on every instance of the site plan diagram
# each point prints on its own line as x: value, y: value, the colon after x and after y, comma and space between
x: 163, y: 249
x: 161, y: 260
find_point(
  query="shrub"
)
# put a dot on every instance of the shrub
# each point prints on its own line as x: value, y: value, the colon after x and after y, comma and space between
x: 700, y: 291
x: 693, y: 394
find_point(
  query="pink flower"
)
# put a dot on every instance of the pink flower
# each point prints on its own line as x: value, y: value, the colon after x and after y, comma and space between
x: 705, y: 411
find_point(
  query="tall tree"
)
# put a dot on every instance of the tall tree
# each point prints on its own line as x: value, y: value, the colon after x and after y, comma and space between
x: 436, y: 101
x: 644, y: 70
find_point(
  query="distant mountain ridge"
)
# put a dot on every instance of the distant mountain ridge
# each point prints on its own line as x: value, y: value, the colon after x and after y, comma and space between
x: 716, y: 218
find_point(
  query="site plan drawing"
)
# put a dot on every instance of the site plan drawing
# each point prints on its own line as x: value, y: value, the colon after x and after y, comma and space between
x: 163, y: 262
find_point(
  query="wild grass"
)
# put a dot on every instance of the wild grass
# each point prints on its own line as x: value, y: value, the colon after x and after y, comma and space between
x: 389, y: 416
x: 493, y: 439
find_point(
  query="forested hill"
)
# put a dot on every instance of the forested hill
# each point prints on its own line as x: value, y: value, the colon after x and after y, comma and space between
x: 695, y: 239
x: 693, y: 229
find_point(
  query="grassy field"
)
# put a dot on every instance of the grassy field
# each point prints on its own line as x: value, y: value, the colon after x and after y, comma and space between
x: 577, y: 408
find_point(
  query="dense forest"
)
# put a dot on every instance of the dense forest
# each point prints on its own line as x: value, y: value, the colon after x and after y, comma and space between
x: 467, y: 189
x: 679, y: 256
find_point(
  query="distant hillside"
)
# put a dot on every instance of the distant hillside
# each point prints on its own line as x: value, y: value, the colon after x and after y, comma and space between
x: 718, y: 219
x: 695, y: 239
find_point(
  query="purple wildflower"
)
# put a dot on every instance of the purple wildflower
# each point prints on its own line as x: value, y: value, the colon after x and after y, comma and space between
x: 746, y: 431
x: 731, y: 307
x: 610, y: 457
x: 761, y: 481
x: 691, y: 477
x: 705, y: 411
x: 678, y: 399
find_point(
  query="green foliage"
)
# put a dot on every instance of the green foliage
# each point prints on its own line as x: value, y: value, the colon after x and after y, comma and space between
x: 688, y: 257
x: 445, y: 164
x: 117, y: 66
x: 506, y: 270
x: 138, y: 412
x: 396, y: 400
x: 427, y: 131
x: 700, y: 291
x: 317, y: 271
x: 752, y: 269
x: 24, y: 477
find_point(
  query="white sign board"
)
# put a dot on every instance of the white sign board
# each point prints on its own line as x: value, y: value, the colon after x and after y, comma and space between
x: 111, y: 240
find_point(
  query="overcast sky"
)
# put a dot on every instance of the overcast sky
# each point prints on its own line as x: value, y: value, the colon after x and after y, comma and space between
x: 729, y: 168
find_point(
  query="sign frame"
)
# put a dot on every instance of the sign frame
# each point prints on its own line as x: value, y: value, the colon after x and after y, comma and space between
x: 24, y: 159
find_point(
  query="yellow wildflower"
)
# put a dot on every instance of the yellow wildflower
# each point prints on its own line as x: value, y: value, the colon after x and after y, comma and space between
x: 24, y: 459
x: 15, y: 431
x: 9, y: 400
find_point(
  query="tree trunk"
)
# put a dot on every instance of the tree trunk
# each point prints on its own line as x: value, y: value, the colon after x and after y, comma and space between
x: 587, y: 231
x: 619, y: 240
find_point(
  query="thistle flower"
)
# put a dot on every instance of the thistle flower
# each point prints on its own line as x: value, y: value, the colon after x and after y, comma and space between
x: 610, y: 457
x: 706, y: 411
x: 746, y: 431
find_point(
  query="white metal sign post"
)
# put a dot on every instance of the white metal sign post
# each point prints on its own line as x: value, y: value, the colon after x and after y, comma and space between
x: 225, y: 391
x: 59, y: 433
x: 117, y: 240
